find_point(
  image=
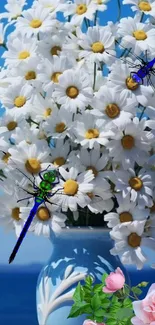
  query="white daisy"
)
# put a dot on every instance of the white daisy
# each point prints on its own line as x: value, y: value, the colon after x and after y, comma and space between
x: 95, y: 42
x: 139, y: 187
x: 73, y: 189
x: 60, y: 153
x: 43, y: 108
x: 73, y: 91
x: 95, y: 161
x: 147, y: 7
x: 30, y: 158
x: 129, y: 241
x: 10, y: 211
x: 101, y: 4
x: 47, y: 219
x: 34, y: 21
x: 9, y: 123
x: 101, y: 200
x: 130, y: 143
x: 49, y: 47
x: 126, y: 212
x: 28, y: 71
x: 79, y: 10
x: 150, y: 109
x: 20, y: 49
x: 90, y: 131
x: 59, y: 124
x: 53, y: 5
x: 50, y: 72
x: 18, y: 98
x: 136, y: 35
x: 120, y: 77
x: 115, y: 107
x: 14, y: 9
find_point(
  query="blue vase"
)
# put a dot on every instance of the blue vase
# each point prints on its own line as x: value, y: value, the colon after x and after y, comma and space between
x: 76, y: 252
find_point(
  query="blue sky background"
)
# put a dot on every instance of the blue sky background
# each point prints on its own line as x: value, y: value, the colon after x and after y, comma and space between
x: 36, y: 249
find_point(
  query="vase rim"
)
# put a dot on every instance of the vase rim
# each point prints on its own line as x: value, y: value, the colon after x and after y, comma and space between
x: 84, y: 229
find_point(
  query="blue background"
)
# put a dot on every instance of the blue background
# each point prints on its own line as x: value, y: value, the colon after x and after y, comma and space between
x: 18, y: 280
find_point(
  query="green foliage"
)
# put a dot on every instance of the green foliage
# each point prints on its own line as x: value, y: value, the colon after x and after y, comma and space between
x: 112, y: 309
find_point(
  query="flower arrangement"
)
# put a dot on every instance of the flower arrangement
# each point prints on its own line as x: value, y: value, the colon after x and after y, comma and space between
x: 71, y: 103
x: 111, y: 301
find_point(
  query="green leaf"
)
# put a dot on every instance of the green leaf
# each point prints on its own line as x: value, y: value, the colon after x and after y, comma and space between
x: 104, y: 276
x: 124, y: 313
x: 95, y: 302
x: 98, y: 288
x: 89, y: 281
x: 111, y: 321
x: 127, y: 302
x: 79, y: 309
x: 136, y: 290
x: 78, y: 295
x: 99, y: 313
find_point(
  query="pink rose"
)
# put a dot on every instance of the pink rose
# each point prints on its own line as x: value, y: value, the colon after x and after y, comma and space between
x: 91, y: 322
x: 145, y: 309
x: 114, y: 281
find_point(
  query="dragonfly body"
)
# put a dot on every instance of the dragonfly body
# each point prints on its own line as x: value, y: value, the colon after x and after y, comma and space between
x: 144, y: 71
x: 41, y: 195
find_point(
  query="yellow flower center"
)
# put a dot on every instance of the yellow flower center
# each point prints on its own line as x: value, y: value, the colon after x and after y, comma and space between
x: 91, y: 134
x: 23, y: 55
x: 72, y: 92
x: 55, y: 76
x: 128, y: 142
x: 6, y: 157
x: 33, y: 166
x: 136, y: 183
x: 59, y: 161
x: 81, y: 9
x: 134, y: 240
x: 15, y: 214
x: 19, y: 101
x: 93, y: 169
x: 131, y: 84
x: 91, y: 195
x: 70, y: 187
x: 145, y: 6
x: 47, y: 112
x: 35, y: 23
x: 97, y: 47
x: 11, y: 125
x: 30, y: 75
x: 112, y: 110
x: 55, y: 50
x: 152, y: 209
x: 125, y: 217
x: 43, y: 214
x: 140, y: 35
x: 99, y: 2
x: 60, y: 127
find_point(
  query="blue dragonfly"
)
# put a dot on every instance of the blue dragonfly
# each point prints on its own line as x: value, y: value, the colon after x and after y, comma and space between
x: 144, y: 69
x: 41, y: 195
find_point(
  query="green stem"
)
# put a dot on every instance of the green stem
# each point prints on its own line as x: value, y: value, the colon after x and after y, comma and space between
x: 119, y: 10
x: 141, y: 115
x: 4, y: 45
x: 94, y: 75
x: 142, y: 17
x: 86, y: 23
x: 95, y: 19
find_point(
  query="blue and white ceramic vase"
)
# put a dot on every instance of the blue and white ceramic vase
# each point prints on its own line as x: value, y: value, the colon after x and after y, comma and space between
x: 76, y: 252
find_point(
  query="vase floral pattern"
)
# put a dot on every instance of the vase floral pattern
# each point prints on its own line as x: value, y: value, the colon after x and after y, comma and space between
x: 76, y: 253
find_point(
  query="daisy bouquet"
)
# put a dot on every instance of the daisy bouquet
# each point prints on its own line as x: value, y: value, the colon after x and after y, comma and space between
x: 70, y: 103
